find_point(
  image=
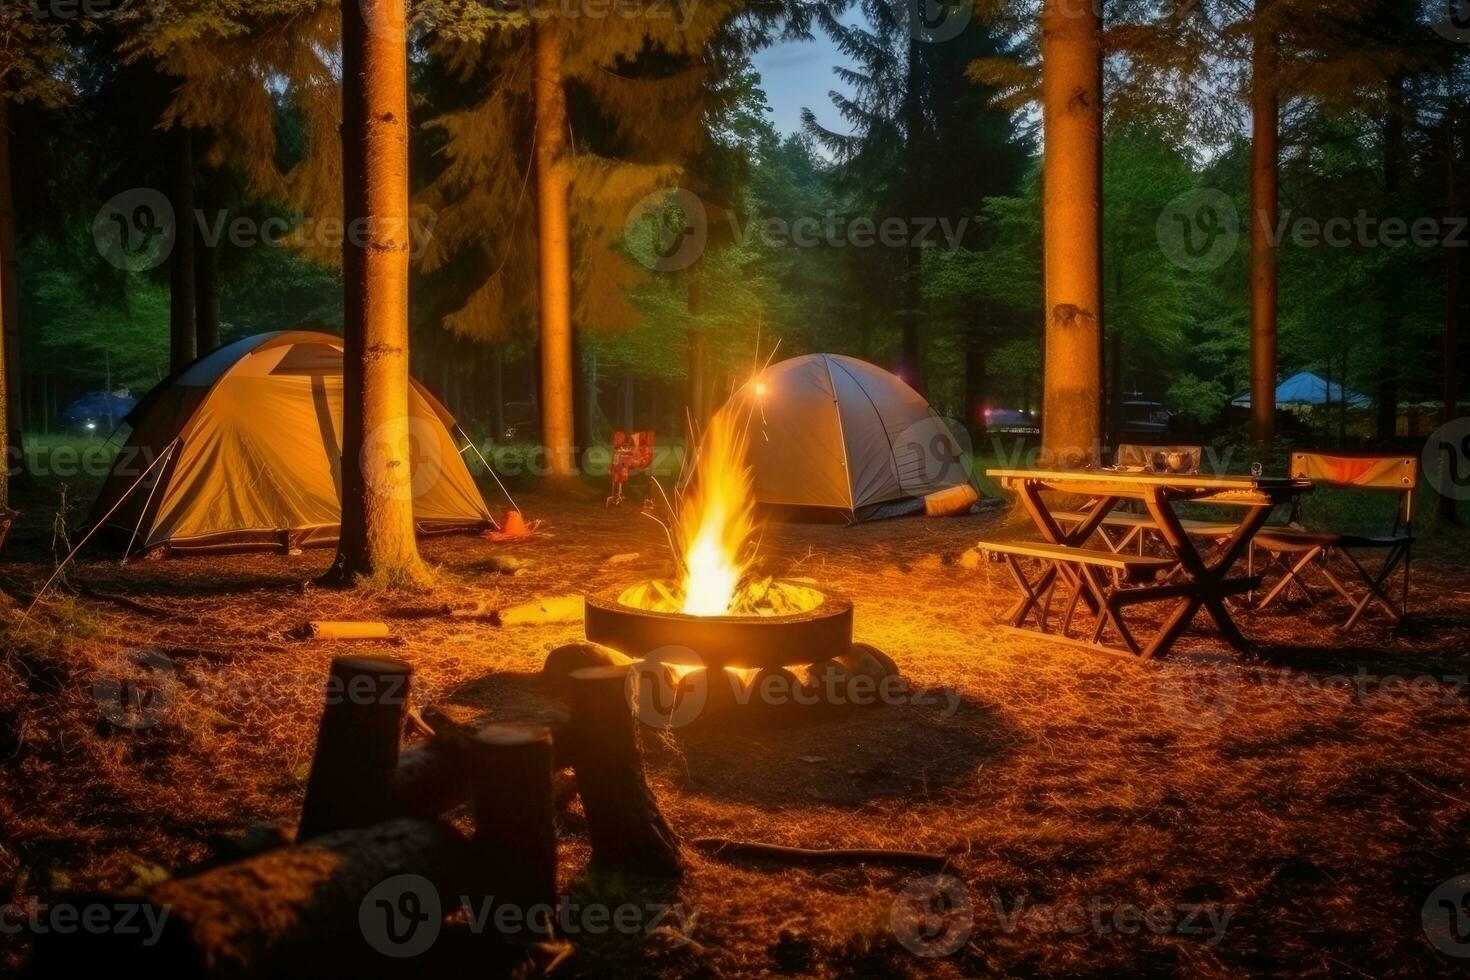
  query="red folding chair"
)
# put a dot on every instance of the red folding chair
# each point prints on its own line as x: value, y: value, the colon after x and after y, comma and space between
x: 1297, y: 550
x: 630, y: 452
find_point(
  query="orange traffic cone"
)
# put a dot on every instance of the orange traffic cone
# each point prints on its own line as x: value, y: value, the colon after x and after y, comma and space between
x: 514, y: 526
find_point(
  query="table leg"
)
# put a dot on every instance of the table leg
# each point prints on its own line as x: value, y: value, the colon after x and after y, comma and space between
x: 1052, y: 533
x: 1205, y: 576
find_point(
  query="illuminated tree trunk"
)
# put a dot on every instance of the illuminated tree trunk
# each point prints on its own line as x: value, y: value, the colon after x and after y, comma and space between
x: 1453, y: 272
x: 11, y: 447
x: 1265, y: 99
x: 1071, y: 93
x: 377, y: 487
x: 181, y: 294
x: 554, y: 232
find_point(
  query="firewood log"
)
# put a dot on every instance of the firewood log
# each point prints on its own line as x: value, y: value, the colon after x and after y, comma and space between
x: 352, y: 773
x: 627, y: 829
x: 515, y: 822
x: 322, y: 629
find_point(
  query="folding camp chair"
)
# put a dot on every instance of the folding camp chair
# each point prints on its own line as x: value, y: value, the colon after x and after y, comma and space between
x: 1296, y: 550
x: 631, y: 451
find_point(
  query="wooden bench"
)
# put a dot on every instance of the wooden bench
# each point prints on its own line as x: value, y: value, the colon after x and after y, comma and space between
x: 1105, y: 596
x: 1136, y: 528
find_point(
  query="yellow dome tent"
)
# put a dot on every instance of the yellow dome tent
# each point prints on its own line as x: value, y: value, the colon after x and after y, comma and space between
x: 242, y: 450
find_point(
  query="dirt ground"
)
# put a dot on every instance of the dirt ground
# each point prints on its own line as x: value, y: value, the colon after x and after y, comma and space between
x: 1287, y: 812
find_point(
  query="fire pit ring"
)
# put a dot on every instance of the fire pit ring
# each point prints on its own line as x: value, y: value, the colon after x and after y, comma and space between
x: 746, y: 642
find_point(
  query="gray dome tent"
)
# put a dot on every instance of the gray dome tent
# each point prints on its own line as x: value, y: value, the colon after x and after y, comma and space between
x: 836, y: 437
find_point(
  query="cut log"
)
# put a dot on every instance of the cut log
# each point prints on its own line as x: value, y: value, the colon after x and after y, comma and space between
x: 515, y: 823
x: 345, y: 904
x: 561, y: 662
x: 329, y: 630
x: 950, y: 501
x: 627, y: 829
x: 556, y: 609
x: 353, y: 770
x: 724, y: 849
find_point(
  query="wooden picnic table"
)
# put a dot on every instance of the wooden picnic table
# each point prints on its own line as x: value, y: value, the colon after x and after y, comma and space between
x: 1201, y: 581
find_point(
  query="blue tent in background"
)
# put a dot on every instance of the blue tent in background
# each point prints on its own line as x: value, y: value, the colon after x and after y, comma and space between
x: 1306, y: 388
x: 98, y: 407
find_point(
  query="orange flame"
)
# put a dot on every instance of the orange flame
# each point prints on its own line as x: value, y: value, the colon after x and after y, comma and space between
x: 716, y: 520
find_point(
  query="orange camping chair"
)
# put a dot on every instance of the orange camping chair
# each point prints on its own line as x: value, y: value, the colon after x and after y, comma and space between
x: 1297, y: 550
x: 630, y: 452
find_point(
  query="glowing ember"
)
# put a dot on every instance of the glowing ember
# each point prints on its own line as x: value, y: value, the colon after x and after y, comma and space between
x: 715, y: 522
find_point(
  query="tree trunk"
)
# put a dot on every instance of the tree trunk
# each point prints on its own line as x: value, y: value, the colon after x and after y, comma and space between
x: 1071, y: 89
x: 182, y: 300
x: 698, y: 381
x: 377, y: 486
x: 910, y: 314
x: 1265, y: 99
x: 497, y: 409
x: 206, y: 275
x: 1388, y: 339
x: 13, y: 448
x: 1454, y: 269
x: 555, y: 251
x: 975, y: 383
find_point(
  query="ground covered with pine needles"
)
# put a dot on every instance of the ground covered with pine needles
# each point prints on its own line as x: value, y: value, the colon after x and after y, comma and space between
x: 1288, y: 812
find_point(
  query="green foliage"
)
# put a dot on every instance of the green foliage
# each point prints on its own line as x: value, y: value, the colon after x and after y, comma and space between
x: 1201, y: 398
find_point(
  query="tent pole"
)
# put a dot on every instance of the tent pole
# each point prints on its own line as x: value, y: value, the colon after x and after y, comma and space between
x: 88, y: 536
x: 146, y: 504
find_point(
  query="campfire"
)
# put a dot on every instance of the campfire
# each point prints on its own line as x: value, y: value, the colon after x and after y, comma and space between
x: 719, y: 605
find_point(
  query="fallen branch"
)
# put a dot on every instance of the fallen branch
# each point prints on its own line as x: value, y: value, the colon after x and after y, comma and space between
x: 724, y: 849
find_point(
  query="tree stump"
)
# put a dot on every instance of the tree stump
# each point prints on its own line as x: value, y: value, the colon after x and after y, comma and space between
x: 352, y: 772
x: 577, y: 656
x: 515, y: 822
x: 627, y: 829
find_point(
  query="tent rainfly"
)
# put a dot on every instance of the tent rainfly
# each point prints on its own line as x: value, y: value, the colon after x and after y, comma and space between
x: 1306, y: 388
x: 245, y: 450
x: 836, y: 437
